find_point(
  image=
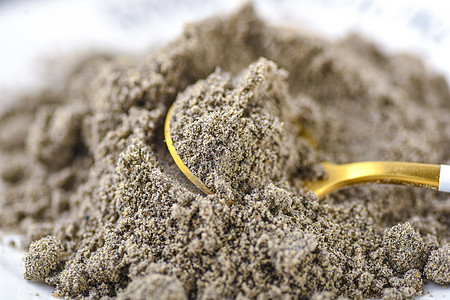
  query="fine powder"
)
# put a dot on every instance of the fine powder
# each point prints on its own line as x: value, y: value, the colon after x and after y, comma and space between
x: 107, y: 213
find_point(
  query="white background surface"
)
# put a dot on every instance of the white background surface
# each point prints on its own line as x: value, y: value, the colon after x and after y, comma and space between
x: 34, y: 32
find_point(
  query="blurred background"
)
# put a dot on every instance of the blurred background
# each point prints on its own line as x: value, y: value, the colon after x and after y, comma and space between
x: 34, y: 33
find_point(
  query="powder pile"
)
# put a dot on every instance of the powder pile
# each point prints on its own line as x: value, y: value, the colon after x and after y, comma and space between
x: 230, y: 134
x: 87, y: 176
x: 42, y: 258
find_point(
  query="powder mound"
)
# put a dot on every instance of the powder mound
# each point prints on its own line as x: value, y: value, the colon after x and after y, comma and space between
x: 93, y: 171
x: 405, y: 248
x: 230, y: 132
x: 437, y: 268
x: 154, y: 287
x: 72, y: 281
x: 293, y: 251
x: 104, y: 265
x: 405, y: 287
x: 43, y: 257
x: 55, y: 135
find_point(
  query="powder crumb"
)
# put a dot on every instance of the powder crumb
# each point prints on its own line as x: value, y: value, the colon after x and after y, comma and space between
x: 104, y: 265
x: 43, y: 257
x: 323, y: 296
x: 71, y: 282
x: 404, y: 247
x: 54, y: 135
x: 154, y: 287
x: 408, y: 286
x: 437, y: 268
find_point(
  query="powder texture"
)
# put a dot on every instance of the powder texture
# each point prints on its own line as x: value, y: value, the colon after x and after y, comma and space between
x: 438, y: 265
x: 85, y: 167
x: 230, y: 133
x: 405, y: 249
x: 154, y: 286
x: 43, y: 257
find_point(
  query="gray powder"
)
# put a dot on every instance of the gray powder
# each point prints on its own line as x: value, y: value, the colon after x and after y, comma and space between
x: 85, y: 167
x: 43, y: 258
x: 438, y: 265
x: 230, y: 134
x: 154, y: 286
x: 404, y: 248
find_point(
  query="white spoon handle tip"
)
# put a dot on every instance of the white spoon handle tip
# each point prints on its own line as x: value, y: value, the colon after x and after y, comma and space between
x: 444, y: 179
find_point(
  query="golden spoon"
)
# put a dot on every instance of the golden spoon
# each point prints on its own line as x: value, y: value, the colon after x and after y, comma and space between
x: 436, y: 177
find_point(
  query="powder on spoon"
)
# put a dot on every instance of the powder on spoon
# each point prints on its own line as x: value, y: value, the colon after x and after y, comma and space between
x: 230, y: 133
x: 86, y: 172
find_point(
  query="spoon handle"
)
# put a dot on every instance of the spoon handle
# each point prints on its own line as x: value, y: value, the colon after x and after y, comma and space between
x: 436, y: 177
x: 444, y: 179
